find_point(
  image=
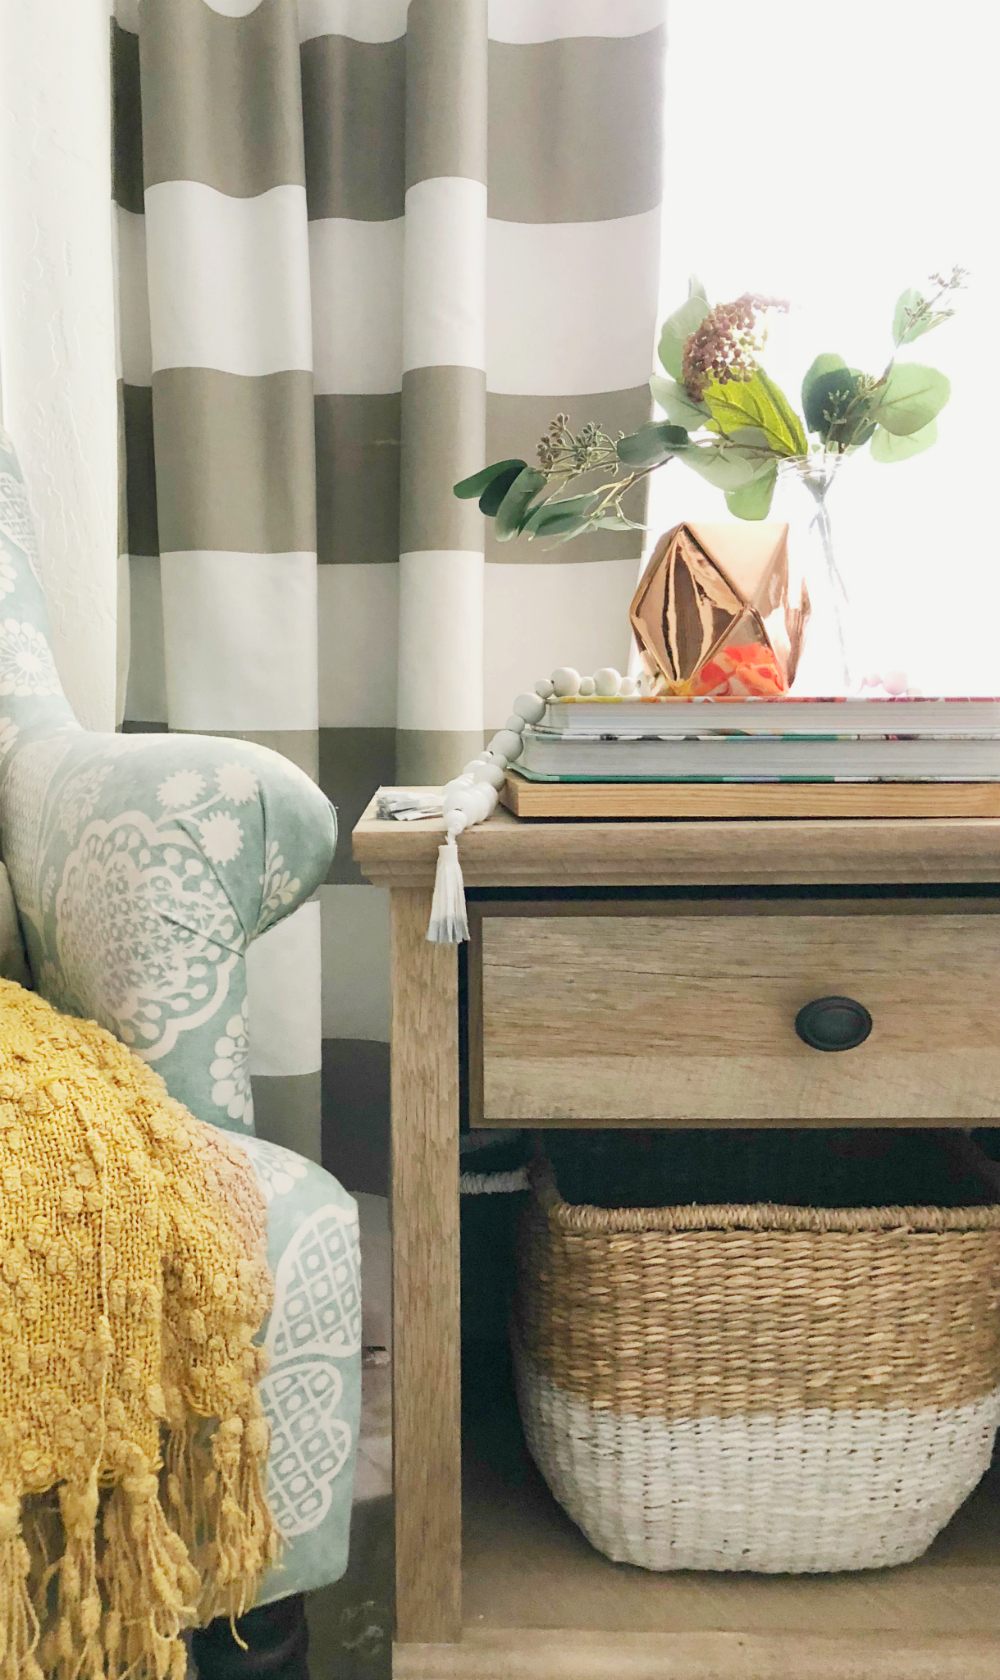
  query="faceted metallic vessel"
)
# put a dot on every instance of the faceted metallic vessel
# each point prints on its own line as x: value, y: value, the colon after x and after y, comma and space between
x: 716, y: 611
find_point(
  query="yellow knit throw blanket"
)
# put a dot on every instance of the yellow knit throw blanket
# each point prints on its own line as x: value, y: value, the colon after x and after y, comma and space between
x: 132, y: 1283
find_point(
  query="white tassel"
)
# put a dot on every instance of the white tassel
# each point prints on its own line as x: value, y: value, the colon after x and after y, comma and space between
x: 449, y: 923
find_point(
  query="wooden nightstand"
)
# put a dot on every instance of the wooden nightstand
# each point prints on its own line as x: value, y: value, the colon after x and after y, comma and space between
x: 547, y: 1019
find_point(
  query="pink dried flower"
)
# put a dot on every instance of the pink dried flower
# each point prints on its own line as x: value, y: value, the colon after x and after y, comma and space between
x: 723, y: 347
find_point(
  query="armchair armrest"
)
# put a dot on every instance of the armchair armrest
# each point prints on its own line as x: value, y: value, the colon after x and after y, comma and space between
x: 143, y: 867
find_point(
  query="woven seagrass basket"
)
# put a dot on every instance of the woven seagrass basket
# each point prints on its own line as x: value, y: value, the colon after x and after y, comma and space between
x: 760, y: 1387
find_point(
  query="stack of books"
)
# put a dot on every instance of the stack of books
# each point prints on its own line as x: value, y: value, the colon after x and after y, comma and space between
x: 764, y: 740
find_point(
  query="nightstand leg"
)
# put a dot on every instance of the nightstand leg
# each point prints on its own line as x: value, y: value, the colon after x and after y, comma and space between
x: 425, y: 1239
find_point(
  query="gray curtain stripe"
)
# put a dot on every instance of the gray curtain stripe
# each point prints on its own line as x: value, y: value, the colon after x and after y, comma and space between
x: 351, y: 89
x: 443, y: 440
x: 140, y: 470
x: 430, y: 757
x: 513, y: 427
x: 591, y: 151
x: 122, y: 468
x: 234, y: 460
x: 353, y: 763
x: 357, y: 478
x: 198, y: 68
x: 356, y: 1113
x: 126, y: 176
x: 287, y: 1110
x: 445, y: 68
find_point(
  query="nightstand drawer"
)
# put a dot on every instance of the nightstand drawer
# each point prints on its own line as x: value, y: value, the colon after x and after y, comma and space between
x: 686, y: 1011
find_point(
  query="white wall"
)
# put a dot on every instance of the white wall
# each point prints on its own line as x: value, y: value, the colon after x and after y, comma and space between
x: 57, y: 321
x: 872, y: 164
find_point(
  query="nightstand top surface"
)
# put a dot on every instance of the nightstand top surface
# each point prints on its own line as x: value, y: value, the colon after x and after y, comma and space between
x: 510, y: 852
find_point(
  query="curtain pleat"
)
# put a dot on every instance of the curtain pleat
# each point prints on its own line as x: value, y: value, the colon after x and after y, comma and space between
x: 219, y: 438
x: 364, y: 248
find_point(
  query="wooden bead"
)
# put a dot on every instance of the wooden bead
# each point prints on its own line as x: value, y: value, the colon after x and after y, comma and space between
x: 628, y: 688
x: 565, y: 681
x: 515, y: 723
x: 507, y: 742
x: 586, y: 687
x: 544, y: 689
x: 607, y: 681
x: 530, y: 707
x: 491, y: 773
x: 462, y: 800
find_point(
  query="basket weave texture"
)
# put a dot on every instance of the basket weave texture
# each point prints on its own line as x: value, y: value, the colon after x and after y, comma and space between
x: 779, y: 1389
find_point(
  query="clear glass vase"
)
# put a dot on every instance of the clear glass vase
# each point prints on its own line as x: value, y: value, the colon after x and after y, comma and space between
x: 828, y: 662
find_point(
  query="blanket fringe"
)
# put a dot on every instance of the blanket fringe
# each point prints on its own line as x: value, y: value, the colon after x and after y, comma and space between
x: 18, y: 1621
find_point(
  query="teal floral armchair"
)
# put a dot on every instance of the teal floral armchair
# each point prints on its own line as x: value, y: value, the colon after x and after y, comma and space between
x: 143, y: 866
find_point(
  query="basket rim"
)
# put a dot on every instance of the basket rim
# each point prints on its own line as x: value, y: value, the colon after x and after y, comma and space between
x: 585, y: 1219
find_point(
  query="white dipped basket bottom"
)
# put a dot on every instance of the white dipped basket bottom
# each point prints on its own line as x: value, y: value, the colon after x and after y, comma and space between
x: 765, y: 1388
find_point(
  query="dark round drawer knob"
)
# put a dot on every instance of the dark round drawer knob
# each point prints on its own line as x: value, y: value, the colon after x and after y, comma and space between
x: 833, y: 1023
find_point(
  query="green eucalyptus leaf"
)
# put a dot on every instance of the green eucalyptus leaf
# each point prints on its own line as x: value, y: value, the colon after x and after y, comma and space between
x: 496, y: 490
x: 474, y: 486
x: 723, y: 467
x: 677, y: 328
x: 828, y: 362
x: 753, y: 500
x: 653, y: 443
x: 696, y: 289
x: 887, y: 446
x: 514, y: 509
x: 911, y: 398
x: 760, y: 403
x: 830, y: 395
x: 750, y: 437
x: 569, y: 514
x: 676, y: 403
x: 904, y: 328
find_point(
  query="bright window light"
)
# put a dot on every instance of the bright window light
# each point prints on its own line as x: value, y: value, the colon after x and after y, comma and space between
x: 833, y: 155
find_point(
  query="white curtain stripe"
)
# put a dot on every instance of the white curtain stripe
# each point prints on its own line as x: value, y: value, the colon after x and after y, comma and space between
x: 571, y: 306
x: 548, y: 614
x: 359, y: 20
x: 522, y: 22
x: 441, y: 640
x: 233, y: 8
x: 283, y: 989
x: 358, y: 622
x: 357, y: 292
x: 240, y: 634
x: 228, y: 279
x: 444, y: 274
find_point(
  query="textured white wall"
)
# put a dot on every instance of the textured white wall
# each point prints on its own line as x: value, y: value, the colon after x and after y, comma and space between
x: 57, y: 321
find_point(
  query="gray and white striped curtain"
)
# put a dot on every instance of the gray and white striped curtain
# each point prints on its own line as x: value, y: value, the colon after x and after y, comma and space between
x: 363, y: 248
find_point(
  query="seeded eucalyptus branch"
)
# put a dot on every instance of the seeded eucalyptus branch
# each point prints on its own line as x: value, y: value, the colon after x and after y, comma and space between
x: 726, y: 419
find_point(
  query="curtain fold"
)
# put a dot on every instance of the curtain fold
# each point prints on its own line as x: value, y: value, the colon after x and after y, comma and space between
x: 57, y: 327
x: 365, y: 247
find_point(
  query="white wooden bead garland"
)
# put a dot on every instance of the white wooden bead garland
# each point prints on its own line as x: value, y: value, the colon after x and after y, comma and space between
x: 472, y: 796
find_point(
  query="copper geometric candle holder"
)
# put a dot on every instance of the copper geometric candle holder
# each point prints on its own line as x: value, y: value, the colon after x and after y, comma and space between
x: 717, y: 613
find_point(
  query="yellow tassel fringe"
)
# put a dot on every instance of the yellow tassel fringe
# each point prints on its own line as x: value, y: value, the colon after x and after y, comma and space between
x: 132, y: 1437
